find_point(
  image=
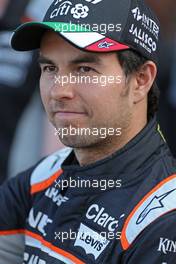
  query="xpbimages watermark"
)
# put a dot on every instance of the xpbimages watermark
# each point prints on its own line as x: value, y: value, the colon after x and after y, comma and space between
x: 102, y: 132
x: 100, y: 28
x: 72, y: 235
x: 101, y: 184
x: 103, y: 80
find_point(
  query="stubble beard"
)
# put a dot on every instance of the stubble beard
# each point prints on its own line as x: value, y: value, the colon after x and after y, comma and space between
x: 92, y: 140
x: 122, y: 120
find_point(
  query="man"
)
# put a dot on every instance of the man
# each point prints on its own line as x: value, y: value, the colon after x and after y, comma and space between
x: 110, y: 198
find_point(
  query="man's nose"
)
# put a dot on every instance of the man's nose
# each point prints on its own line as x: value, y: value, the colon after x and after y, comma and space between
x: 62, y: 88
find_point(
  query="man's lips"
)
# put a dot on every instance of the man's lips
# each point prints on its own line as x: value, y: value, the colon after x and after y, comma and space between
x: 69, y: 114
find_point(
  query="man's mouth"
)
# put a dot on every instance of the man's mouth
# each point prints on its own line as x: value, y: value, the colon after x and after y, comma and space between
x: 69, y: 114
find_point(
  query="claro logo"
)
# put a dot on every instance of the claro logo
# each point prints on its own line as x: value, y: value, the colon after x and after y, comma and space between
x: 99, y: 216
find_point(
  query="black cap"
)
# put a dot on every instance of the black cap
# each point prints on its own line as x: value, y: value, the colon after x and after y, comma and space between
x: 97, y: 26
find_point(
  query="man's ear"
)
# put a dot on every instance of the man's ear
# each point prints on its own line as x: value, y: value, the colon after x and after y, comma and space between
x: 144, y: 79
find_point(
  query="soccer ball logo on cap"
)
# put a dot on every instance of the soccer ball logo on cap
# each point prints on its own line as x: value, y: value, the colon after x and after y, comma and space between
x: 79, y: 11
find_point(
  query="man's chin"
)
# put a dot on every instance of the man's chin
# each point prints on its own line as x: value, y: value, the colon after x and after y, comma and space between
x: 72, y: 141
x: 78, y: 141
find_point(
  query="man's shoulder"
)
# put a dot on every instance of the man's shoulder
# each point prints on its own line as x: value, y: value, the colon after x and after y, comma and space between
x: 49, y: 167
x: 41, y: 172
x: 157, y: 242
x: 159, y: 201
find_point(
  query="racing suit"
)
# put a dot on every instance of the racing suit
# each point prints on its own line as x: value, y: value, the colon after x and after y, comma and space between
x: 117, y: 210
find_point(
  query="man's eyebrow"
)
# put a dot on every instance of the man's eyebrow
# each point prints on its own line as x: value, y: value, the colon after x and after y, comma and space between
x: 80, y: 59
x: 44, y: 60
x: 86, y: 59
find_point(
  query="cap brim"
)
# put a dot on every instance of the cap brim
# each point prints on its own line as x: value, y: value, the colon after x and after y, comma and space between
x: 28, y: 37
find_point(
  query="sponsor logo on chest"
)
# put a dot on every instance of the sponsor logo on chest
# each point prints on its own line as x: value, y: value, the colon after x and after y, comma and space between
x: 101, y: 217
x: 92, y: 242
x: 32, y: 259
x: 166, y: 245
x: 55, y: 196
x: 39, y: 221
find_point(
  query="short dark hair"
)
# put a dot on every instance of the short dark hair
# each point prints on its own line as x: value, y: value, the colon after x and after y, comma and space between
x: 130, y: 62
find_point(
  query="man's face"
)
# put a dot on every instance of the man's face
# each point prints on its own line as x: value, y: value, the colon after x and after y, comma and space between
x: 87, y: 104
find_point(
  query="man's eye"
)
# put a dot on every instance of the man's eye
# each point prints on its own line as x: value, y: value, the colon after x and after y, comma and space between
x: 85, y: 69
x: 49, y: 68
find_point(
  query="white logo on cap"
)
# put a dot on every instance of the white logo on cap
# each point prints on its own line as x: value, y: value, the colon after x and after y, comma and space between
x: 105, y: 45
x: 143, y: 39
x: 57, y: 2
x: 147, y: 22
x: 94, y: 1
x: 92, y: 242
x: 79, y: 11
x: 62, y: 9
x: 137, y: 14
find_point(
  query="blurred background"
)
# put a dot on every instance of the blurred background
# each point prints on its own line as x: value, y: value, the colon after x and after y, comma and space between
x: 25, y: 133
